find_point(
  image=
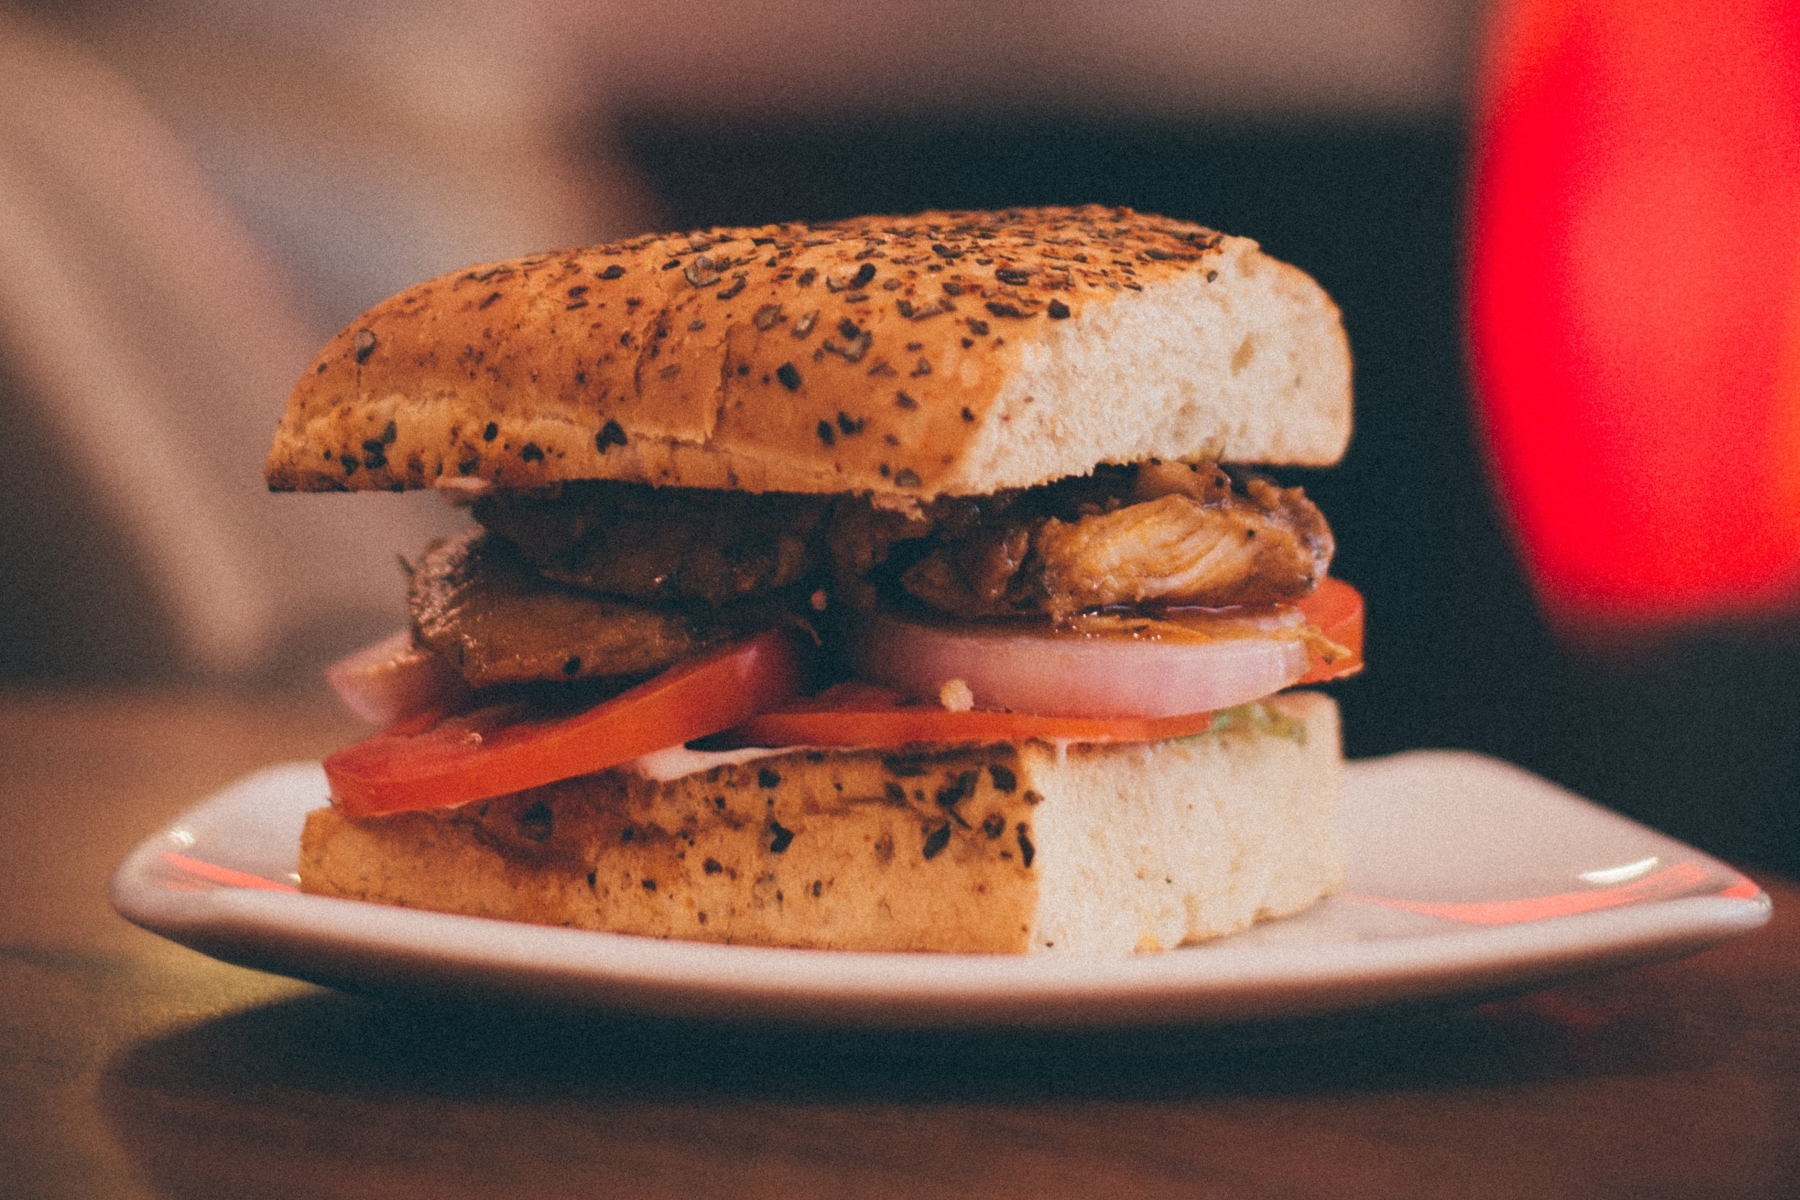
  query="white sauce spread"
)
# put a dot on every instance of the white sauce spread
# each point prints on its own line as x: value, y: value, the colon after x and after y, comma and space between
x: 678, y: 762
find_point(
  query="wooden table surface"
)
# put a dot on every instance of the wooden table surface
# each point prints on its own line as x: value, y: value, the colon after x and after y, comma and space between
x: 130, y: 1067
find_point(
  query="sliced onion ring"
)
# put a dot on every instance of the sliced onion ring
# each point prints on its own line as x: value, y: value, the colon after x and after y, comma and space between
x: 393, y: 678
x: 1106, y: 667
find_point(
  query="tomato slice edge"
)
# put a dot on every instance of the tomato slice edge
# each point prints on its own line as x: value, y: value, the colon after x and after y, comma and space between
x: 1335, y: 609
x: 446, y: 758
x: 858, y: 714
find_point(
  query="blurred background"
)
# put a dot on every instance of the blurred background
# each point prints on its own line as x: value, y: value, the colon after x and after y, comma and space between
x: 1587, y: 564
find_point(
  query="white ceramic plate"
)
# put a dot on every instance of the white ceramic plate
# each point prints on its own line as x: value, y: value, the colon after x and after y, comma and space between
x: 1467, y: 877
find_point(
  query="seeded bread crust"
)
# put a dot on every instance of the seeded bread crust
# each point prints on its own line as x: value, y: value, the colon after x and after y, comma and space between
x: 996, y: 849
x: 905, y: 357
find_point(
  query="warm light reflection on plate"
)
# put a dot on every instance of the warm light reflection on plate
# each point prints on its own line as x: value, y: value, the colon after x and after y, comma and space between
x: 1685, y: 878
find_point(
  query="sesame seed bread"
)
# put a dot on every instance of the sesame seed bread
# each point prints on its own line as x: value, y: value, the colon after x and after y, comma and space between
x: 905, y: 357
x: 1101, y: 849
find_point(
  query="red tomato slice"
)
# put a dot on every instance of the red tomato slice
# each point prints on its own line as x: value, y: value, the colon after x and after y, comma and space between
x: 442, y: 759
x: 1335, y: 609
x: 868, y: 715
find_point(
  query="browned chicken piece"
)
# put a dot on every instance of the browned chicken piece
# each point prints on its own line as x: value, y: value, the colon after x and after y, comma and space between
x: 478, y: 603
x: 661, y: 543
x: 1183, y: 537
x: 1268, y: 546
x: 1160, y: 533
x: 981, y: 574
x: 859, y: 539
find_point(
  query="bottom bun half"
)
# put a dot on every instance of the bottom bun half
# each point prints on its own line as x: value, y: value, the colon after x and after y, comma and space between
x: 1102, y: 849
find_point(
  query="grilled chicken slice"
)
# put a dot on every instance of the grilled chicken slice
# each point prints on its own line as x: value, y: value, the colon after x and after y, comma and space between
x: 1182, y: 536
x: 661, y: 544
x: 1269, y: 546
x: 481, y: 605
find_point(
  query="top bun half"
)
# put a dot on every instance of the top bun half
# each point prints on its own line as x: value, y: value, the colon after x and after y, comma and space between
x: 907, y: 357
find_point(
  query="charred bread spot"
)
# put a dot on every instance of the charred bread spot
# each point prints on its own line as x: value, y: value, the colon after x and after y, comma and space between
x: 936, y: 840
x: 780, y: 838
x: 958, y: 789
x: 537, y: 822
x: 611, y: 434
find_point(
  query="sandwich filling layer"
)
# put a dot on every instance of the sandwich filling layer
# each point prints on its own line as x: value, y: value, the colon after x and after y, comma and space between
x: 600, y: 580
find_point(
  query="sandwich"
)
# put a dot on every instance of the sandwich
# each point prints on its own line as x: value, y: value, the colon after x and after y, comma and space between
x: 892, y: 584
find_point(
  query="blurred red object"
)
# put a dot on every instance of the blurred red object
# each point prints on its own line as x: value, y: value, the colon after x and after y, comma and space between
x: 1634, y: 302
